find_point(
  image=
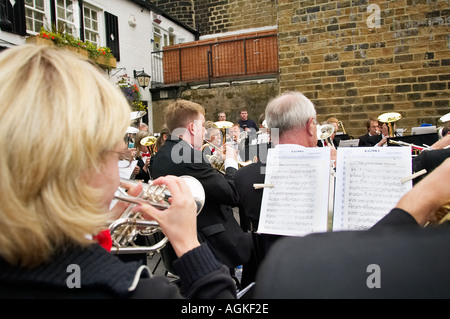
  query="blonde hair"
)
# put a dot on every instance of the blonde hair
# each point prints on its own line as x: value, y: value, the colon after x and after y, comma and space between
x: 180, y: 113
x: 72, y: 116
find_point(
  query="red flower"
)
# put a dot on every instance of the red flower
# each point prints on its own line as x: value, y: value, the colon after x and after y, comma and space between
x: 104, y: 239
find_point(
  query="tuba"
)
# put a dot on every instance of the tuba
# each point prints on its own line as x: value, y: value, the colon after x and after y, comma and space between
x: 390, y: 118
x: 125, y: 229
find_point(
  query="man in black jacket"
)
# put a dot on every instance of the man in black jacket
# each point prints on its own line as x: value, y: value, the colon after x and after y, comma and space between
x: 180, y: 155
x: 372, y: 137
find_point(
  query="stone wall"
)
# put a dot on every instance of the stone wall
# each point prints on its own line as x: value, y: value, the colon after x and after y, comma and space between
x: 219, y: 16
x: 228, y: 98
x: 353, y: 66
x: 183, y: 11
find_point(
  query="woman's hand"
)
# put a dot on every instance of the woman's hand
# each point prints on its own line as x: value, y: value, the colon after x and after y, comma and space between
x: 429, y: 195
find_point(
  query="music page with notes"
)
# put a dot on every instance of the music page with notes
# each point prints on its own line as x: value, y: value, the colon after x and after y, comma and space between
x: 369, y: 184
x: 295, y: 199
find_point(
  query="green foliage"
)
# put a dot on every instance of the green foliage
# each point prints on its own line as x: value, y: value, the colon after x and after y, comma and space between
x: 65, y: 39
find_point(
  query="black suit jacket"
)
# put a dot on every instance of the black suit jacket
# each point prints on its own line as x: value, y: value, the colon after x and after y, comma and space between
x: 215, y: 224
x: 249, y: 213
x: 367, y: 140
x: 412, y: 263
x: 429, y: 160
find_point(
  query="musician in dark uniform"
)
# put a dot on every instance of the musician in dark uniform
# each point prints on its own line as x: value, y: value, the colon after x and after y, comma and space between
x: 294, y: 116
x: 396, y: 258
x: 181, y: 155
x: 373, y: 133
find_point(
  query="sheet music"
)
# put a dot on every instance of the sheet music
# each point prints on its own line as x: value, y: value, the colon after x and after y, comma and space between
x: 126, y: 169
x: 368, y: 184
x: 297, y: 204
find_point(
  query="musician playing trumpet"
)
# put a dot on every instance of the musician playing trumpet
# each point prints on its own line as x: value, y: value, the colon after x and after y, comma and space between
x: 181, y: 155
x: 51, y: 211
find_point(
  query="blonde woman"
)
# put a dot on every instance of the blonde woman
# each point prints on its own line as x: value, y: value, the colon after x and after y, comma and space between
x: 55, y: 196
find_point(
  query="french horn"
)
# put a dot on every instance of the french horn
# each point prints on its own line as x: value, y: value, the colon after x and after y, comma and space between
x: 125, y: 229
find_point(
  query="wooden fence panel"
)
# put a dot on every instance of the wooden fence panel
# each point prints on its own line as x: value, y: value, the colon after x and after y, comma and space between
x: 215, y: 60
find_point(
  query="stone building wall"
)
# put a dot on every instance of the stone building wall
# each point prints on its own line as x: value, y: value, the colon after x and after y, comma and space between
x: 228, y: 98
x: 183, y: 11
x: 219, y: 16
x: 336, y: 54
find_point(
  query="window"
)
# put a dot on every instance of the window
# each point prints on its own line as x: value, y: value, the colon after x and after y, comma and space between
x: 156, y: 39
x: 34, y: 15
x: 91, y: 33
x: 65, y: 17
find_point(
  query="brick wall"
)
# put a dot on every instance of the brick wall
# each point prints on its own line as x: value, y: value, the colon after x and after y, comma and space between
x: 218, y: 16
x: 183, y: 11
x: 352, y: 71
x: 223, y: 98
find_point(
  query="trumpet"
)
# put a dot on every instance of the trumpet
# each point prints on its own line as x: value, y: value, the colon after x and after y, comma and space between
x: 125, y: 229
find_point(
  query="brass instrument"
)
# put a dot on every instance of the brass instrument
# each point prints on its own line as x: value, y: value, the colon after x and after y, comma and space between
x: 137, y: 115
x: 390, y: 118
x: 341, y: 125
x: 223, y: 126
x: 324, y: 133
x: 150, y: 142
x: 125, y: 230
x: 445, y: 118
x: 216, y: 161
x: 442, y: 130
x: 413, y: 146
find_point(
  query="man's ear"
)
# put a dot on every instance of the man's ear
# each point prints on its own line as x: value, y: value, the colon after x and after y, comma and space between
x: 190, y: 128
x: 311, y: 126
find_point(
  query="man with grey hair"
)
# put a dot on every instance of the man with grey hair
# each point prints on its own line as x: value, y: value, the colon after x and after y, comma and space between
x: 293, y: 117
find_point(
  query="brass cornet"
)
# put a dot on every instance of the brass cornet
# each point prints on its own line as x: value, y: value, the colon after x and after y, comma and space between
x: 125, y: 230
